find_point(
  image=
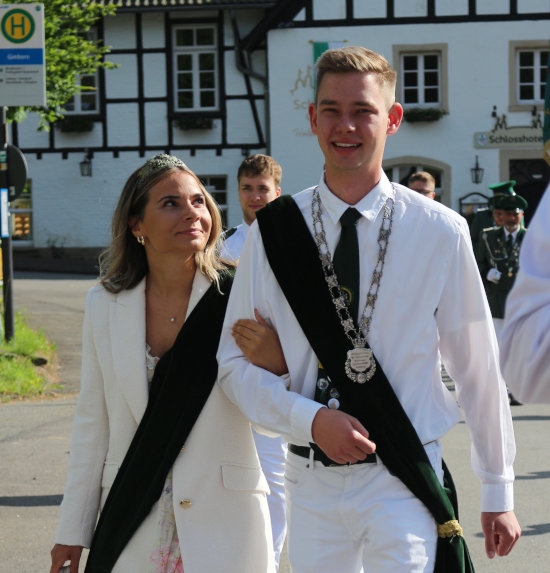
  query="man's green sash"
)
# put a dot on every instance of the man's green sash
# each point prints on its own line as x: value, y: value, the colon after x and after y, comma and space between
x: 294, y: 254
x: 181, y: 385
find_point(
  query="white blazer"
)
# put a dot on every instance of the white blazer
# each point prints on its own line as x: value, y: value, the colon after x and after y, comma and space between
x: 223, y: 524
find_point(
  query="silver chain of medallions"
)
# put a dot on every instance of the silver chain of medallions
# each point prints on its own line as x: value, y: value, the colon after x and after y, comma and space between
x: 360, y: 364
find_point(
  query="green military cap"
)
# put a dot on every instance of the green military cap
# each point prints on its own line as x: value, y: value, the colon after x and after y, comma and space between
x: 510, y: 203
x: 504, y: 188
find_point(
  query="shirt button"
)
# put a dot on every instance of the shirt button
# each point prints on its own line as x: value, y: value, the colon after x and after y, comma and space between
x: 185, y: 503
x: 182, y: 448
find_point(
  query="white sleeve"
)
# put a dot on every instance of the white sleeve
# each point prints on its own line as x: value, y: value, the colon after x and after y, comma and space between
x: 525, y: 341
x: 262, y: 396
x: 80, y: 506
x: 470, y: 353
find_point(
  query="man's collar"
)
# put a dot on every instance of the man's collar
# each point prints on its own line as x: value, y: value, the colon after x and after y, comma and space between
x: 369, y: 206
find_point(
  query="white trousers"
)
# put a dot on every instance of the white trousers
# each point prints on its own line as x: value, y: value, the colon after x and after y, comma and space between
x: 352, y: 518
x: 272, y: 454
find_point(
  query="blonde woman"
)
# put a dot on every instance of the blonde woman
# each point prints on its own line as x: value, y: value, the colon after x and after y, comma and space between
x: 158, y: 450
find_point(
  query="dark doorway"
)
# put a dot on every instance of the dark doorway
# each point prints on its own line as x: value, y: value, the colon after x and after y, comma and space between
x: 532, y: 177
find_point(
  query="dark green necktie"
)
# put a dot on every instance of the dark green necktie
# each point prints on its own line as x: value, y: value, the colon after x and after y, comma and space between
x: 346, y: 260
x: 509, y: 243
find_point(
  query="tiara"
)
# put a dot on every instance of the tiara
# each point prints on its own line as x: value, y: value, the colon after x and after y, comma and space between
x: 159, y: 162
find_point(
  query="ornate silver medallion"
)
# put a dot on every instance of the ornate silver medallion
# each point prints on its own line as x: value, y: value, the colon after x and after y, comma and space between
x: 360, y: 364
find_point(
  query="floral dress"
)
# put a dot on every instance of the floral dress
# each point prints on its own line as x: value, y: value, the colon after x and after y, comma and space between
x: 165, y: 555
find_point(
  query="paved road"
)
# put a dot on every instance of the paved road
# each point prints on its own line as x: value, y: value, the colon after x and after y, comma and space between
x: 35, y: 437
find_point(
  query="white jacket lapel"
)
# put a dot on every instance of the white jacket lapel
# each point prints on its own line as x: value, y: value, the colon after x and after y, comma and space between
x: 127, y: 324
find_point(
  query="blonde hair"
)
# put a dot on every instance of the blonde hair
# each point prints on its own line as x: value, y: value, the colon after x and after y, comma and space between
x: 357, y: 59
x: 423, y: 176
x: 124, y: 263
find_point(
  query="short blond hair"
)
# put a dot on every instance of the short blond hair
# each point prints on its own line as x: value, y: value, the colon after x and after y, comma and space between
x: 356, y: 59
x: 422, y: 176
x: 260, y: 165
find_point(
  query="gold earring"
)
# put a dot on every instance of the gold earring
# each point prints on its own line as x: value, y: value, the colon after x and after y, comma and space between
x: 141, y: 240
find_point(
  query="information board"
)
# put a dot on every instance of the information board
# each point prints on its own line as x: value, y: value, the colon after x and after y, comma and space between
x: 22, y: 63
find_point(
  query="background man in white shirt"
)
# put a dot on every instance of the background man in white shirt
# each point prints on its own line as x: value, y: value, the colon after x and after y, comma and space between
x: 259, y: 178
x: 357, y: 514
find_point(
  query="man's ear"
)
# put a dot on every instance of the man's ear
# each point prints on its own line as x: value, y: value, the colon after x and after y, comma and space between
x: 395, y: 115
x: 278, y: 191
x: 312, y: 110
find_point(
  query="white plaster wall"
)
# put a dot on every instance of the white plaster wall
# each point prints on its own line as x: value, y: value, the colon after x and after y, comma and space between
x: 28, y: 134
x: 154, y: 75
x: 119, y: 31
x: 122, y: 119
x: 241, y: 127
x: 235, y: 79
x: 92, y: 138
x: 409, y: 8
x: 156, y: 126
x: 526, y: 6
x: 478, y: 79
x: 329, y: 9
x: 369, y: 8
x: 153, y: 30
x: 199, y: 136
x: 121, y: 82
x: 451, y: 7
x: 492, y: 6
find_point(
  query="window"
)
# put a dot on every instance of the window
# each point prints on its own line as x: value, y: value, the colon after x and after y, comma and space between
x: 422, y: 75
x: 195, y: 68
x: 399, y: 169
x: 216, y: 185
x: 528, y: 65
x: 420, y: 78
x: 86, y: 101
x: 21, y: 217
x: 531, y: 75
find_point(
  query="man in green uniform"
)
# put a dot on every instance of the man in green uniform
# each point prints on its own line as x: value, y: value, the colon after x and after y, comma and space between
x: 490, y: 216
x: 497, y: 256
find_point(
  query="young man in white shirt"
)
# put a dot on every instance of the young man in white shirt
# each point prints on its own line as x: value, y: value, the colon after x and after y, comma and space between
x: 259, y: 178
x: 346, y: 509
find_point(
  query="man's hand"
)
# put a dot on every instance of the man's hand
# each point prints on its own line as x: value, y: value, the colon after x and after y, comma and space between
x: 341, y: 436
x: 501, y: 530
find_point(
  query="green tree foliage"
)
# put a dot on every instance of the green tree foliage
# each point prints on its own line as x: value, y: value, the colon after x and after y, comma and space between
x: 69, y: 53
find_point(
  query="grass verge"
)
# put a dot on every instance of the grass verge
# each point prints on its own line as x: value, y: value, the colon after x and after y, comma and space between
x: 28, y: 363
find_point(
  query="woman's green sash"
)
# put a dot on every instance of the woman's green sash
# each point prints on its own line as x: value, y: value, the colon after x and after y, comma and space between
x: 181, y: 385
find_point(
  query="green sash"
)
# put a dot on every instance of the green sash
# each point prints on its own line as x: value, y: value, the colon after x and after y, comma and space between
x: 294, y: 254
x: 181, y: 385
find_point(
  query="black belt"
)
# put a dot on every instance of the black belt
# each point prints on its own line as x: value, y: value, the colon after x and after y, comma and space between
x: 320, y: 456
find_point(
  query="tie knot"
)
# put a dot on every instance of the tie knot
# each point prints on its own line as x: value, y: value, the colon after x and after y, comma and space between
x: 350, y: 216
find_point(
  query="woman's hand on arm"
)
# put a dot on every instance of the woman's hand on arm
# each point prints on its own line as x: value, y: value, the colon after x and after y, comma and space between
x: 62, y: 553
x: 260, y: 344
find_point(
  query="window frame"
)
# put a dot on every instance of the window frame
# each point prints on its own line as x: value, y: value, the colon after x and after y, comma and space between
x: 195, y: 51
x: 401, y: 50
x: 92, y: 34
x: 515, y: 47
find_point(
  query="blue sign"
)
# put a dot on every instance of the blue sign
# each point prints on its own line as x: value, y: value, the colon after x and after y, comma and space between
x: 21, y: 57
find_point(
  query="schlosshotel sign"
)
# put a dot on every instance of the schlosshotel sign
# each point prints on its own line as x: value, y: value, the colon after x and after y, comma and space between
x: 513, y: 137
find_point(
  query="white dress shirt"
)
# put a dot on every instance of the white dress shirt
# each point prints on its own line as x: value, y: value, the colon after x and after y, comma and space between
x: 525, y: 339
x: 431, y: 301
x: 233, y: 245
